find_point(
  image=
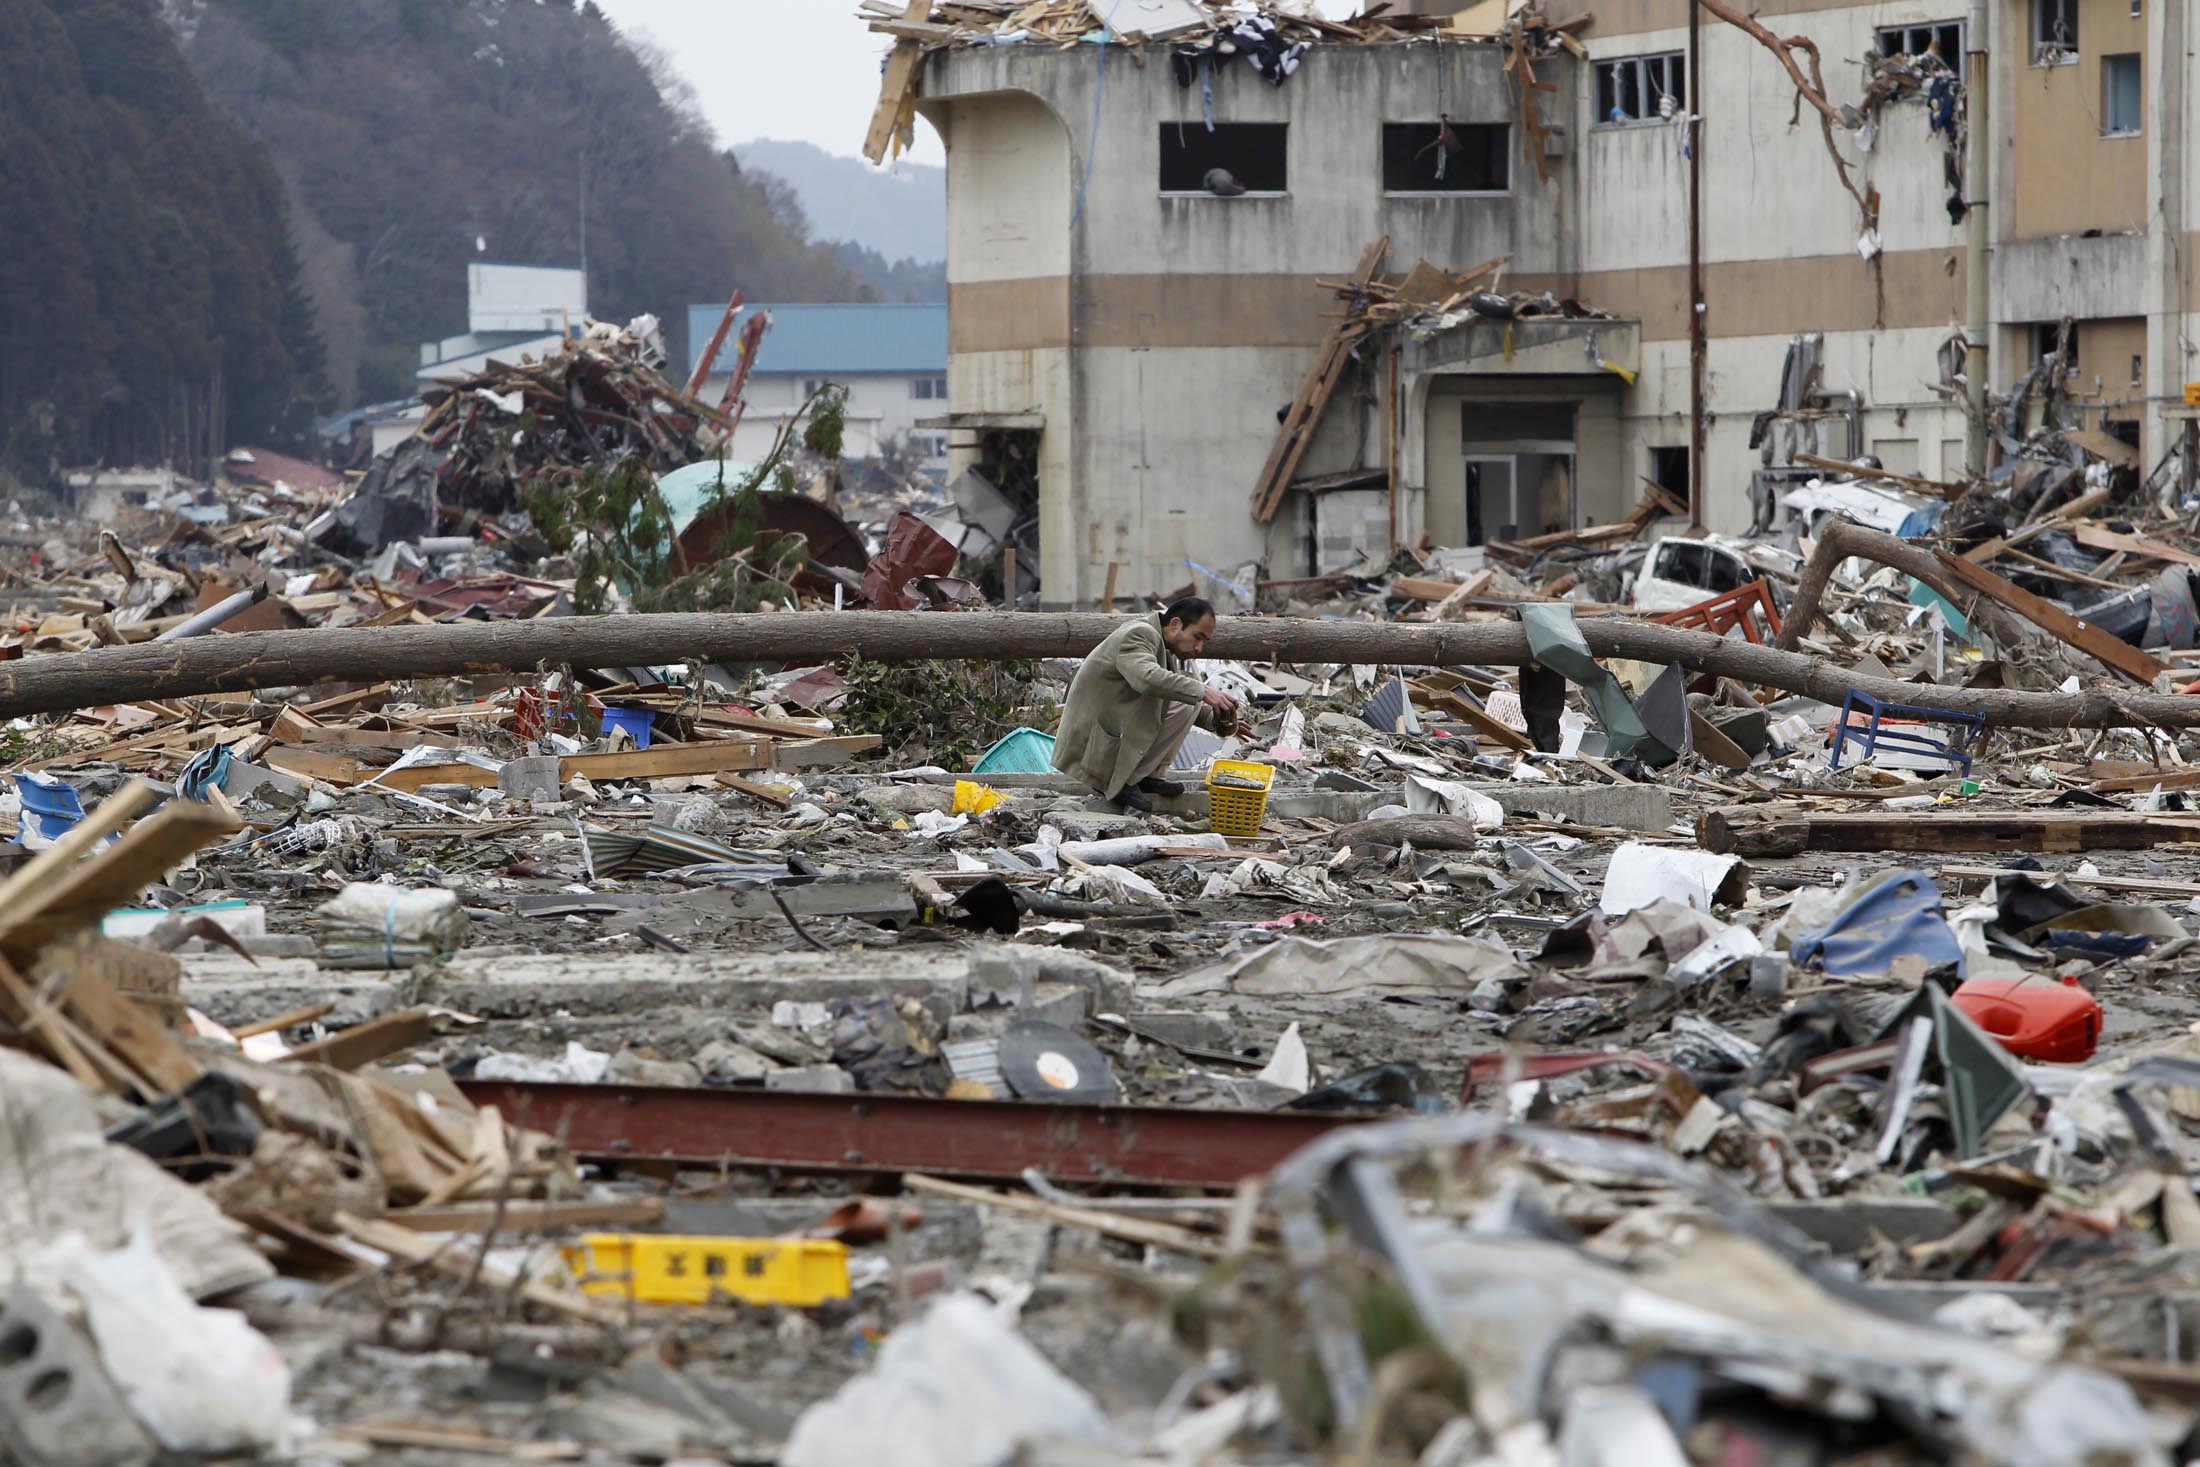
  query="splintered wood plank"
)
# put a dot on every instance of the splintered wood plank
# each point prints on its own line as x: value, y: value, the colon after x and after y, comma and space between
x: 1445, y: 701
x: 1305, y: 413
x: 361, y: 1044
x: 2100, y: 537
x: 109, y: 816
x: 901, y: 75
x: 80, y: 980
x: 767, y: 793
x: 658, y: 762
x: 82, y: 894
x: 2109, y: 650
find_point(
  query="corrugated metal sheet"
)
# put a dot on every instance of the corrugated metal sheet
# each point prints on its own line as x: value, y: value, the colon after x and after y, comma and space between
x: 821, y: 340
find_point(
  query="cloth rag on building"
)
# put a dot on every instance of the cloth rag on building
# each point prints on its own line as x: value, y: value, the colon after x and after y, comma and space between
x: 1121, y: 722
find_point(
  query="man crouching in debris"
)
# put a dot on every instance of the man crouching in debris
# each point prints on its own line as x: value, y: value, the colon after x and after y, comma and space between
x: 1133, y: 701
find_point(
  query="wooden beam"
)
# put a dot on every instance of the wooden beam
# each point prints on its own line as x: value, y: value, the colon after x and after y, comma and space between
x: 659, y: 761
x: 2104, y: 883
x: 109, y: 816
x: 1443, y: 700
x: 767, y: 793
x: 1781, y: 830
x: 1305, y: 412
x: 894, y: 86
x: 2108, y: 650
x: 82, y: 894
x: 277, y: 1022
x: 2100, y: 537
x: 1932, y: 487
x: 2164, y: 779
x: 361, y: 1044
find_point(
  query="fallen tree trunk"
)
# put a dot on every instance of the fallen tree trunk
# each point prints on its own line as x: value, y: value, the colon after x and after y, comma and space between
x: 1841, y: 539
x: 234, y: 663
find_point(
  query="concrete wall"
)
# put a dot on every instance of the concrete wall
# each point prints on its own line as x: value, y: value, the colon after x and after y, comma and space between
x: 1193, y: 318
x: 1161, y: 334
x: 2073, y: 177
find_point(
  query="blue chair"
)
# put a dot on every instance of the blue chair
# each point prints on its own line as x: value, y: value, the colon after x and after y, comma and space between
x: 1870, y: 736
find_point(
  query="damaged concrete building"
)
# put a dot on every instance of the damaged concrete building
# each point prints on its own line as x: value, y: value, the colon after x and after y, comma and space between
x: 1125, y: 335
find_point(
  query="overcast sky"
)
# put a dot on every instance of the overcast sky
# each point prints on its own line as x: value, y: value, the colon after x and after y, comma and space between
x: 803, y: 69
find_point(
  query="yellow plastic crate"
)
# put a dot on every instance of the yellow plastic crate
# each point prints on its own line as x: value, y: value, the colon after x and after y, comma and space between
x: 1234, y: 806
x: 671, y: 1268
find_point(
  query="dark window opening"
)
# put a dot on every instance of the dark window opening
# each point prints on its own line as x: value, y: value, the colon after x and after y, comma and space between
x: 2047, y: 336
x: 2124, y: 431
x: 1669, y: 471
x: 1447, y: 157
x: 1237, y: 157
x: 1943, y: 39
x: 1642, y: 88
x: 2054, y: 31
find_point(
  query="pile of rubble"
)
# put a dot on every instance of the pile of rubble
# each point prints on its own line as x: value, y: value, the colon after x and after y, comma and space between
x: 1674, y: 999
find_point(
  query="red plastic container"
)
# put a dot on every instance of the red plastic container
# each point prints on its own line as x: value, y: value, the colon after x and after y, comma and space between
x: 2033, y: 1017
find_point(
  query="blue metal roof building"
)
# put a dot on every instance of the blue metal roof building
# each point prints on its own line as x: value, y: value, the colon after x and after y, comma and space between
x: 831, y: 340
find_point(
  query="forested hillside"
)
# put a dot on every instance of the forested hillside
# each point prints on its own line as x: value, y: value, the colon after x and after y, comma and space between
x: 148, y: 302
x: 416, y: 134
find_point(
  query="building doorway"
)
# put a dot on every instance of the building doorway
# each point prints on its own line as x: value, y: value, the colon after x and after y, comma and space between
x: 1519, y: 470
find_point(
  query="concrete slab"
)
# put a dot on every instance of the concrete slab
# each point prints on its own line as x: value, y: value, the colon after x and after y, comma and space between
x: 510, y: 983
x: 1626, y: 806
x: 1849, y: 1225
x: 1340, y: 806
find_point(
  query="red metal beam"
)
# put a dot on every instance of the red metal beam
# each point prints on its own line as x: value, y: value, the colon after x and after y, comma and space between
x: 1130, y: 1144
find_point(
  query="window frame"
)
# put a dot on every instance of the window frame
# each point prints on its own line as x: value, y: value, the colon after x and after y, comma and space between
x: 1503, y: 153
x: 1640, y: 65
x: 1197, y: 125
x: 1954, y: 62
x: 2138, y: 96
x: 2040, y: 40
x: 927, y: 387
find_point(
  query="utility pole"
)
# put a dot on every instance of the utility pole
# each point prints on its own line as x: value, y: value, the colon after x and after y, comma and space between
x: 1977, y: 145
x: 1698, y: 343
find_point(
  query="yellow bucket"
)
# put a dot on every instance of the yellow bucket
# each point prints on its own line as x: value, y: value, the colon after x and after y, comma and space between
x: 1237, y: 796
x: 667, y: 1268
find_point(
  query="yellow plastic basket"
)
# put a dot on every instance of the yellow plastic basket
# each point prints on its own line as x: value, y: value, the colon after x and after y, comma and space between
x: 669, y: 1268
x: 1237, y: 796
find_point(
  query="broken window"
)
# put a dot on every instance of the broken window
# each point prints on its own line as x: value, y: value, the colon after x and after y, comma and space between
x: 1669, y: 471
x: 2054, y: 32
x: 1233, y: 158
x: 928, y: 389
x: 2047, y: 336
x: 2120, y: 95
x: 1635, y: 88
x: 1943, y: 39
x: 1447, y: 157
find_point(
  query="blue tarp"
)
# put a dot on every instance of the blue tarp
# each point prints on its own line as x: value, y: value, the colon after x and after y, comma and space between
x: 1896, y: 914
x: 207, y: 771
x: 49, y: 804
